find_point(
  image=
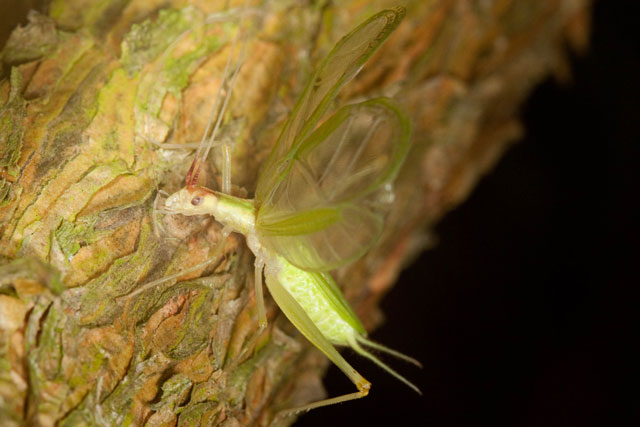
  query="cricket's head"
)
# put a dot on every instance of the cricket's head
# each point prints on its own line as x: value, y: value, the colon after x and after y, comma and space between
x: 192, y: 201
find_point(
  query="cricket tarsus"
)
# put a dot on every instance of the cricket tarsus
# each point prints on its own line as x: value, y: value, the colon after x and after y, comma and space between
x: 283, y: 415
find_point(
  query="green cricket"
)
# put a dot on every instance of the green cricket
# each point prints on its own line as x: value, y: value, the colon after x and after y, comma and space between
x: 319, y: 202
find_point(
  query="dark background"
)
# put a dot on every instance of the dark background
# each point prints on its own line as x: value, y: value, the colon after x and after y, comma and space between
x: 516, y: 313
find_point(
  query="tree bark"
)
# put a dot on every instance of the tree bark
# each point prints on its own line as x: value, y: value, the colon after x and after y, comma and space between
x: 92, y: 91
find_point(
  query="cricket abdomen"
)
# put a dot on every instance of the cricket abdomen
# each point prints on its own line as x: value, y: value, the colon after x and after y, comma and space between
x: 305, y: 288
x: 316, y: 293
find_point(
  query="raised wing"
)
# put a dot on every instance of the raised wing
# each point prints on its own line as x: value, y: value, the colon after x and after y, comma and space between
x: 341, y: 65
x: 326, y: 209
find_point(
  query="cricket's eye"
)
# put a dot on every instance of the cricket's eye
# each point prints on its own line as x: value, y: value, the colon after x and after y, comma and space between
x: 196, y: 201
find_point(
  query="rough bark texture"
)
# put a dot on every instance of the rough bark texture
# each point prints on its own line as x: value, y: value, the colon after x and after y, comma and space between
x: 92, y: 88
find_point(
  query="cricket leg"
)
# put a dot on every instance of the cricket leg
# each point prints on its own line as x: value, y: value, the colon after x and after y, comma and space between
x: 262, y: 312
x: 296, y: 314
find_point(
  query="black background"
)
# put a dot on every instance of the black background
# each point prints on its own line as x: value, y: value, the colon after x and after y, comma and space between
x: 516, y: 314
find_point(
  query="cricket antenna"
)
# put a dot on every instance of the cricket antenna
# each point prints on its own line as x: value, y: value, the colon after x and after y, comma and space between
x: 192, y: 175
x: 205, y: 145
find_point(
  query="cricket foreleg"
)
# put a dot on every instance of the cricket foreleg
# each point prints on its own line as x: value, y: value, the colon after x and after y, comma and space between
x: 262, y: 312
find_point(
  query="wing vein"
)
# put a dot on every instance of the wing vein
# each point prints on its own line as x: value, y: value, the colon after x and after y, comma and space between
x: 358, y: 153
x: 330, y: 246
x: 334, y: 157
x: 309, y: 176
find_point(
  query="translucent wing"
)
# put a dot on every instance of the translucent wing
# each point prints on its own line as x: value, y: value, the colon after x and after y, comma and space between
x: 341, y: 65
x: 326, y: 209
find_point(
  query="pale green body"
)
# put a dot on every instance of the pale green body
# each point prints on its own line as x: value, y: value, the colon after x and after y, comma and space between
x: 306, y: 289
x: 310, y: 300
x: 316, y: 293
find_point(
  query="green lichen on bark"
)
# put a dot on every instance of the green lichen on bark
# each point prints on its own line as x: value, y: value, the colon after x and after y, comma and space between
x: 33, y: 41
x: 12, y: 126
x: 150, y: 39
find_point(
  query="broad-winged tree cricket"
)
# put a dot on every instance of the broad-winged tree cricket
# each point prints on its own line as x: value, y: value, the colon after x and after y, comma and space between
x: 319, y: 200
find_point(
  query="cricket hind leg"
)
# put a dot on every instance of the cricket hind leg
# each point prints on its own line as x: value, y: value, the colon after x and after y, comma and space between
x: 296, y: 314
x: 283, y: 415
x: 363, y: 387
